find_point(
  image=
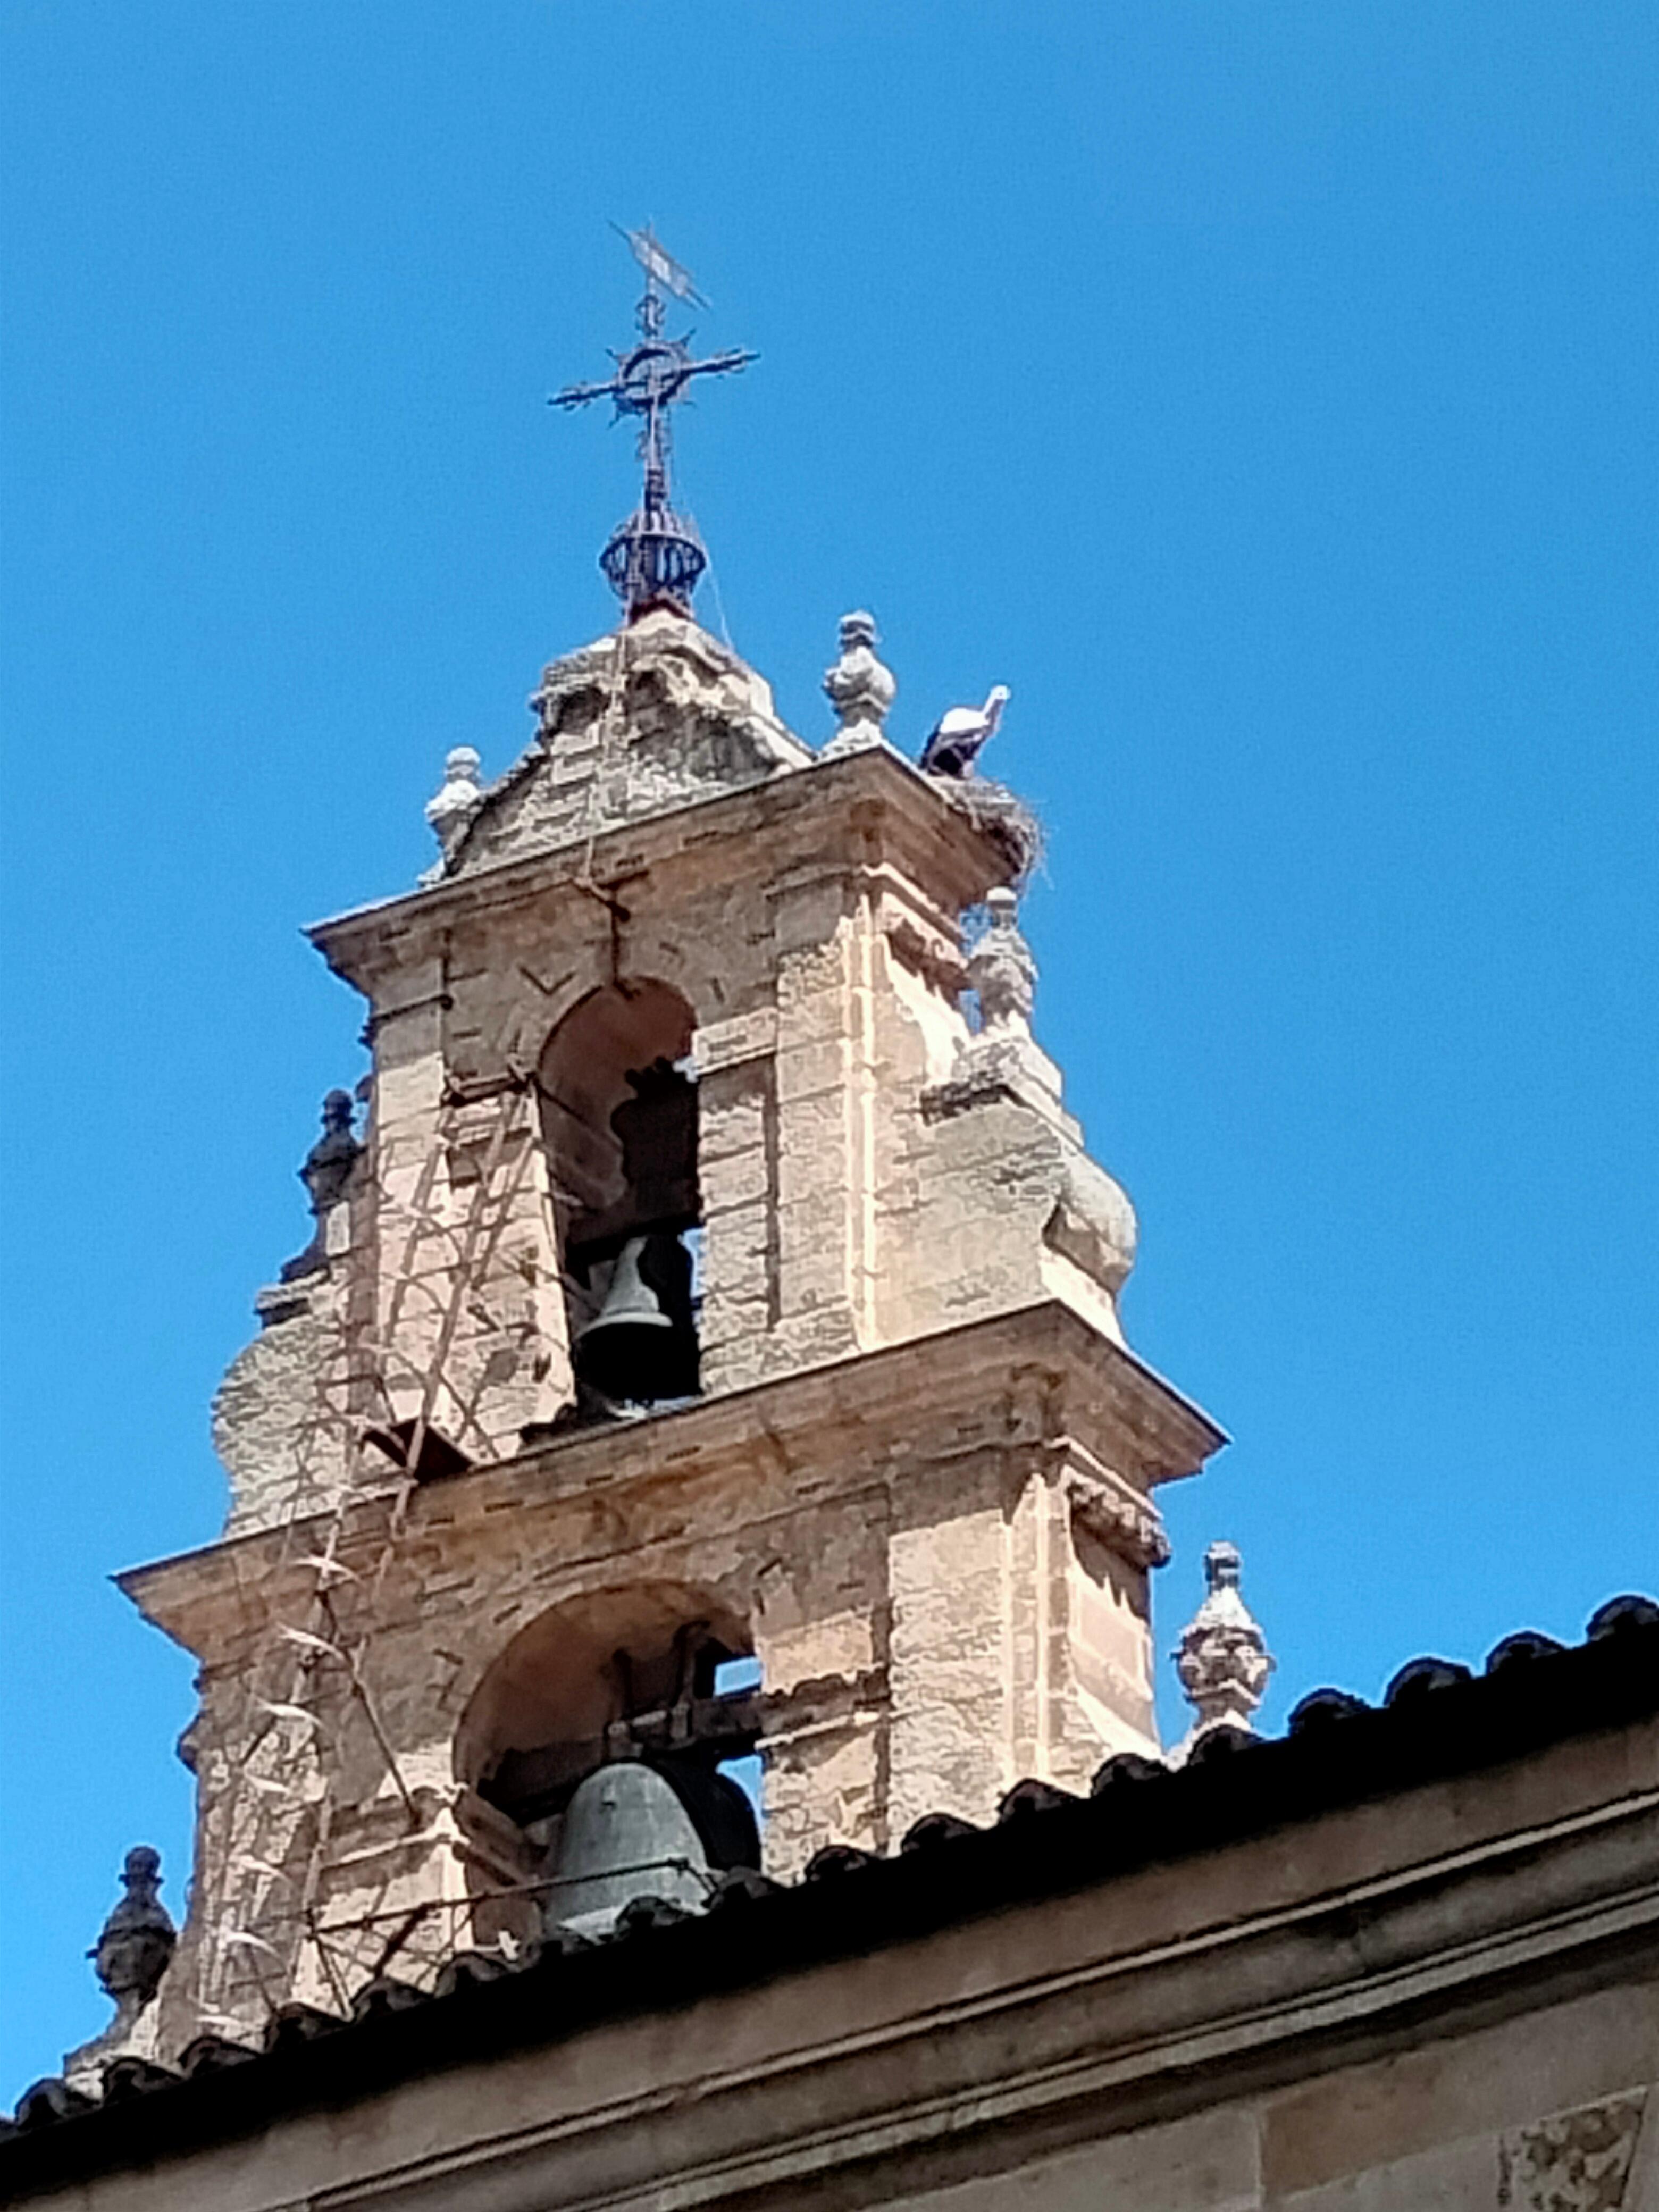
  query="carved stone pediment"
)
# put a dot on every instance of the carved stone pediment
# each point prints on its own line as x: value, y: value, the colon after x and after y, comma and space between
x: 654, y: 717
x: 1575, y: 2161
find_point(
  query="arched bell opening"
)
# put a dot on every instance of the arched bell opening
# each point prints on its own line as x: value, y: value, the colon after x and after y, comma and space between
x: 657, y: 1679
x: 619, y: 1118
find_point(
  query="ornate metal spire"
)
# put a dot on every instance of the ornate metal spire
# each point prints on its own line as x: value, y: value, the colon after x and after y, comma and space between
x: 656, y: 556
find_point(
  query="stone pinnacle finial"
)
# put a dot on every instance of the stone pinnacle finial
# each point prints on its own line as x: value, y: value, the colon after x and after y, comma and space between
x: 1222, y: 1658
x: 1002, y: 972
x: 454, y: 804
x: 859, y: 688
x: 326, y: 1171
x: 136, y: 1941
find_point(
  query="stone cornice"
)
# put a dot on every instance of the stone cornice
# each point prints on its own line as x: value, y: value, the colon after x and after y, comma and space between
x: 1034, y: 1379
x: 1083, y: 1968
x: 1109, y: 1508
x: 857, y: 809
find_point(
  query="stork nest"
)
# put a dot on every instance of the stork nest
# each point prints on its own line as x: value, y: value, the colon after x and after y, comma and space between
x: 1000, y: 816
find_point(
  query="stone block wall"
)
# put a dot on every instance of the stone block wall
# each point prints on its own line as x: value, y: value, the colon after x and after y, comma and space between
x: 939, y: 1556
x: 1433, y: 1995
x: 894, y: 1537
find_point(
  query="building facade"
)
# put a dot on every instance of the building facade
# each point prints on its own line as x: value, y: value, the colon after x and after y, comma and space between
x: 909, y: 1474
x: 707, y: 1363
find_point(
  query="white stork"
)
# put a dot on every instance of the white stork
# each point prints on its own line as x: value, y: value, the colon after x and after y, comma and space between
x: 962, y: 730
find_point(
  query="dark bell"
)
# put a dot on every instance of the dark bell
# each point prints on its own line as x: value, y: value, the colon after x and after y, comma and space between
x: 657, y: 1130
x: 625, y: 1834
x: 641, y: 1346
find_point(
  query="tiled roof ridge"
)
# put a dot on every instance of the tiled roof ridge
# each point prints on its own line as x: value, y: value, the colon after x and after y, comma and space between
x: 1437, y: 1718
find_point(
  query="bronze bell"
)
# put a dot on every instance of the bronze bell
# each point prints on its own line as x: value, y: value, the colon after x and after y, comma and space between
x: 641, y: 1346
x: 625, y: 1834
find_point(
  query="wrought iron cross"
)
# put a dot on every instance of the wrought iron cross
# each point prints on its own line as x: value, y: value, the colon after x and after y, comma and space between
x: 656, y: 556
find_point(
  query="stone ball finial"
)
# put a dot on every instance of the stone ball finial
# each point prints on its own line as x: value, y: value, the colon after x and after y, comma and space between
x: 457, y: 798
x: 859, y: 687
x: 1223, y: 1658
x: 136, y: 1942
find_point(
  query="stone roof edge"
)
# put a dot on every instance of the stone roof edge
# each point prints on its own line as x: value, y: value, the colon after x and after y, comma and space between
x: 1025, y: 1328
x: 435, y: 902
x: 1437, y: 1721
x: 585, y: 663
x: 976, y: 1340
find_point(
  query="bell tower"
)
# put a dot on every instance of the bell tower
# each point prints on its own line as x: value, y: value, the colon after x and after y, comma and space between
x: 708, y: 1349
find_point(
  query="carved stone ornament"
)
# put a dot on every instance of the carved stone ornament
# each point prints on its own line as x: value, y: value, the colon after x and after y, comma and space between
x: 325, y: 1173
x: 1576, y: 2161
x: 859, y: 689
x: 928, y: 957
x: 1002, y: 972
x: 1126, y: 1526
x: 136, y: 1941
x: 458, y: 797
x: 654, y: 717
x: 1223, y: 1659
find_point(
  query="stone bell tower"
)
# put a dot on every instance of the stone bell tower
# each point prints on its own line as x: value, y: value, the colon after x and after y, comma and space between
x: 682, y: 993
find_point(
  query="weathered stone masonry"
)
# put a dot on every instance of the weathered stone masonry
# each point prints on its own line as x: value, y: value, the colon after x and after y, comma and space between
x: 917, y: 1485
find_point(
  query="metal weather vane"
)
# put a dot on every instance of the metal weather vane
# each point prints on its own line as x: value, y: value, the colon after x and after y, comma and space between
x: 656, y: 556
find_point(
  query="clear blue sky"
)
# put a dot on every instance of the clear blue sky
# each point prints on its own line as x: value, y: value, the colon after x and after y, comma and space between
x: 1263, y: 388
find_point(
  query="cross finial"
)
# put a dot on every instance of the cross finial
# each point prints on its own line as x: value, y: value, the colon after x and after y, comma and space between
x: 656, y: 556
